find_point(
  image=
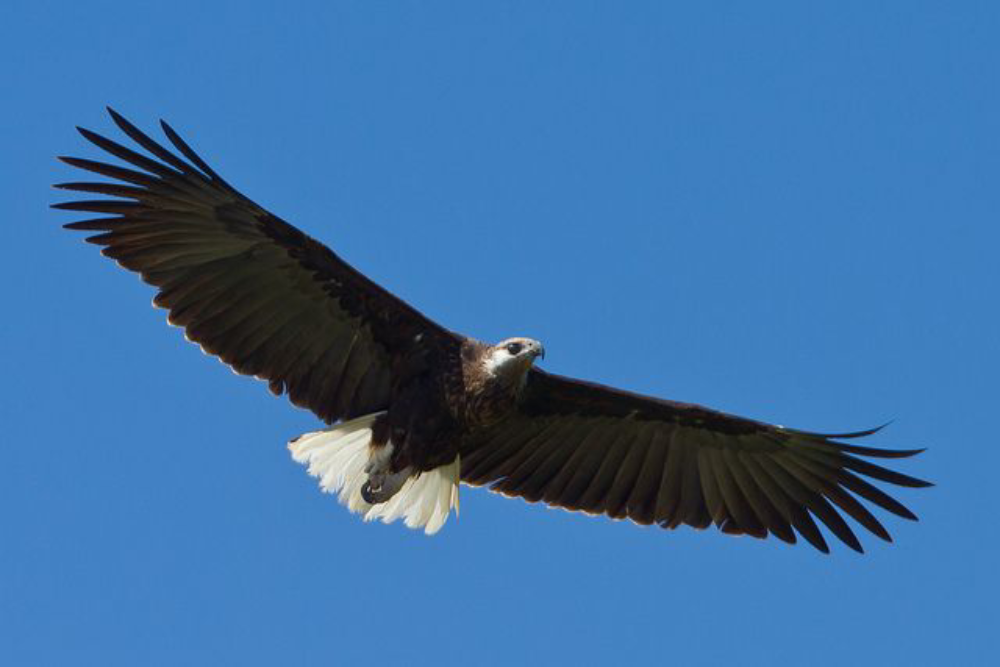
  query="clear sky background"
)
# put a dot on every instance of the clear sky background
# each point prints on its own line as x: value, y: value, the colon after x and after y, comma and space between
x: 784, y: 210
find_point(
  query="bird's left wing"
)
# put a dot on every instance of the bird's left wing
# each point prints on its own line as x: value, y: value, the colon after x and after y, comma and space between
x: 246, y: 285
x: 584, y: 446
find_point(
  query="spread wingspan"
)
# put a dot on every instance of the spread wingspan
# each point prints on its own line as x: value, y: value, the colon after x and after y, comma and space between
x: 273, y: 303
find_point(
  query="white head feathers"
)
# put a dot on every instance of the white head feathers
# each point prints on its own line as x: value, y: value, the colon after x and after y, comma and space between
x: 513, y: 357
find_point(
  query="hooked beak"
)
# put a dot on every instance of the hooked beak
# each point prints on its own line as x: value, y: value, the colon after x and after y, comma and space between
x: 540, y: 352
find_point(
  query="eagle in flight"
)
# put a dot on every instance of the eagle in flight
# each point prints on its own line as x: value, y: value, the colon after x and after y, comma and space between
x: 415, y: 409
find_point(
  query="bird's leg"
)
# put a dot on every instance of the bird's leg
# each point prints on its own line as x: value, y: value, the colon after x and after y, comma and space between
x: 382, y: 484
x: 380, y: 487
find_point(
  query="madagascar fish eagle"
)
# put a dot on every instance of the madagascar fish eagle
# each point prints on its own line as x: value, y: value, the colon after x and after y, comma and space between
x: 414, y: 409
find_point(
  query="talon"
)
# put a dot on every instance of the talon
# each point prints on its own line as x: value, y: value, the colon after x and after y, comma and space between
x: 381, y: 486
x: 375, y: 482
x: 369, y: 494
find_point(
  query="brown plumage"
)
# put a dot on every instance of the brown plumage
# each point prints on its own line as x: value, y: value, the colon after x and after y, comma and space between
x: 273, y: 303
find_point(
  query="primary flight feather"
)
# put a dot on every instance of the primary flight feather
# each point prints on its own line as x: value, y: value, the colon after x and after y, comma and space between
x: 416, y: 409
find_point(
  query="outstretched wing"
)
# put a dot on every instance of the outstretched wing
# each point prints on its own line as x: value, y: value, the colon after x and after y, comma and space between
x: 247, y: 286
x: 583, y: 446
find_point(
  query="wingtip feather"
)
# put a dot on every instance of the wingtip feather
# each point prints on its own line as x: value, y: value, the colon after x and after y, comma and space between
x: 122, y: 122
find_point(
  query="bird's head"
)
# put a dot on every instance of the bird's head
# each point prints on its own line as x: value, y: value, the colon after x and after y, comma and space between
x: 512, y: 358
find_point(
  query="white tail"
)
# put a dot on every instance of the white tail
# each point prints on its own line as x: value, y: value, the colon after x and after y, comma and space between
x: 338, y: 457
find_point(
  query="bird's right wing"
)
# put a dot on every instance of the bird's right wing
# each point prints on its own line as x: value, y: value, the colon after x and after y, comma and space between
x: 247, y: 286
x: 587, y: 447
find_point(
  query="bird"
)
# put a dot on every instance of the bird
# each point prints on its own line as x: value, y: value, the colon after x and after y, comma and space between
x: 411, y: 410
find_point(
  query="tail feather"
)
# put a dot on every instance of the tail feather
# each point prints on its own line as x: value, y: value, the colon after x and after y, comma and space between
x: 338, y: 457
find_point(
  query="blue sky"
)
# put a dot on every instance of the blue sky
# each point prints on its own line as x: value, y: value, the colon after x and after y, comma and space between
x: 784, y: 211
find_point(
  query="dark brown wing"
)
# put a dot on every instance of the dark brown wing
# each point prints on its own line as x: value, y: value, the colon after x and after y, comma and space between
x: 583, y: 446
x: 247, y: 286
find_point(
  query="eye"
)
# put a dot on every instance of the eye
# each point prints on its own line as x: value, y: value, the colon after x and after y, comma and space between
x: 514, y: 349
